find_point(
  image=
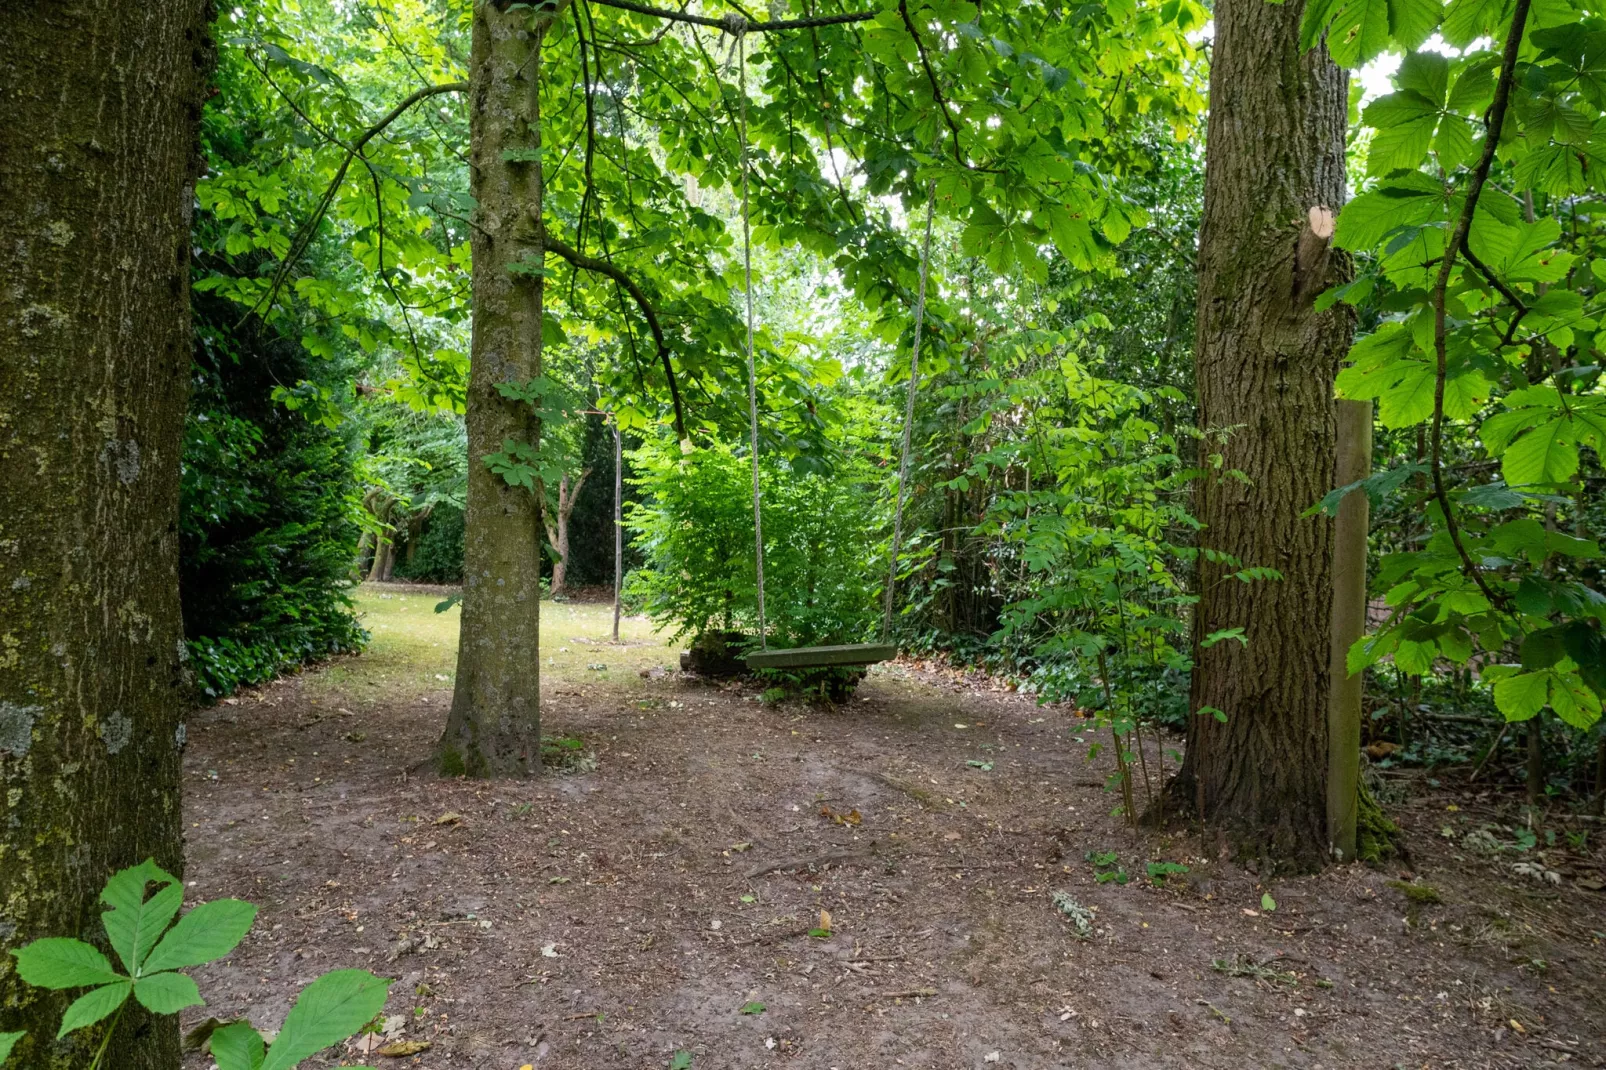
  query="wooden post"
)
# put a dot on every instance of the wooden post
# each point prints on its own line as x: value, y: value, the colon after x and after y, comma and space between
x: 618, y: 526
x: 1348, y: 624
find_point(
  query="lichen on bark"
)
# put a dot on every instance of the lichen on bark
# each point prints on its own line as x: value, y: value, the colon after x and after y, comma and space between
x: 494, y: 727
x: 97, y: 156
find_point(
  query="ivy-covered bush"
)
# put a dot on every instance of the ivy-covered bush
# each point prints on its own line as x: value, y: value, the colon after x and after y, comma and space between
x: 694, y: 526
x: 268, y: 520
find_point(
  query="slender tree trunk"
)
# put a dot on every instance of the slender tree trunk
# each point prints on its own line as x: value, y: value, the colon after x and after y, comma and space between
x: 384, y: 559
x: 99, y: 102
x: 558, y: 530
x: 363, y: 545
x: 619, y: 532
x: 1598, y: 806
x: 1536, y: 764
x: 494, y: 728
x: 1265, y: 363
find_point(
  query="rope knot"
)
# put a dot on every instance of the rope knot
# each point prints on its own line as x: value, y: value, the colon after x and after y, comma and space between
x: 734, y: 24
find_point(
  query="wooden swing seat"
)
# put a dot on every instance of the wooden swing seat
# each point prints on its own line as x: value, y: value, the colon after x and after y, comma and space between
x: 819, y: 657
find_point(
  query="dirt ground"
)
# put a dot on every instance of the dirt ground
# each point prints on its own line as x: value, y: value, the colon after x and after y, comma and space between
x: 662, y: 901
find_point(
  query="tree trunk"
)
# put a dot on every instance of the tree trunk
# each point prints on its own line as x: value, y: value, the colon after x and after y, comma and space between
x: 1265, y: 363
x: 384, y: 559
x: 494, y: 728
x: 1536, y: 764
x: 97, y: 162
x: 558, y: 532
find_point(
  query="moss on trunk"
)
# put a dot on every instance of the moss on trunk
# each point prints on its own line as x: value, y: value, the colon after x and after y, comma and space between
x: 97, y: 160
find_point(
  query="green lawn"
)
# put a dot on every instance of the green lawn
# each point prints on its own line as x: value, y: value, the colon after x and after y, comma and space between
x: 414, y: 648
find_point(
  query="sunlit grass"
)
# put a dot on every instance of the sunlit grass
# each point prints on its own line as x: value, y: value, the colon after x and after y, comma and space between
x: 414, y: 649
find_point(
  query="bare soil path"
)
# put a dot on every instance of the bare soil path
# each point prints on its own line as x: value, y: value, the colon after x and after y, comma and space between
x: 636, y: 906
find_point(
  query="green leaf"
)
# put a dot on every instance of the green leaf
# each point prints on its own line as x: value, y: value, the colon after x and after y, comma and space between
x: 1467, y: 20
x: 134, y: 923
x: 94, y: 1005
x: 752, y: 1006
x: 1543, y: 455
x: 1474, y: 85
x: 1358, y: 30
x: 167, y: 993
x: 1226, y: 633
x: 7, y: 1042
x: 237, y: 1047
x: 1542, y: 649
x: 125, y: 889
x: 1267, y: 903
x: 1427, y: 74
x: 1522, y: 696
x: 206, y: 933
x: 328, y: 1011
x: 1405, y: 200
x: 1554, y: 169
x: 1404, y: 124
x: 1574, y: 702
x: 681, y: 1060
x: 1453, y: 143
x: 62, y: 962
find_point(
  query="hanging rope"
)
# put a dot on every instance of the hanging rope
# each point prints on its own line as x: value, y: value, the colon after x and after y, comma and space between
x: 909, y: 413
x: 752, y: 375
x: 737, y: 28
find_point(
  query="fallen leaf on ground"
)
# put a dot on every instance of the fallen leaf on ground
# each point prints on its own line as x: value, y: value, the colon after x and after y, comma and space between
x: 451, y: 817
x: 852, y: 817
x: 404, y: 1047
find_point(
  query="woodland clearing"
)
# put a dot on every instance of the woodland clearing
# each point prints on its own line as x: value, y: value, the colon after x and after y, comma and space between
x: 616, y: 914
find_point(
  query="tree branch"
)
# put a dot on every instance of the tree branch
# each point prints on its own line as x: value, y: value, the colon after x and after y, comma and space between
x: 1493, y: 121
x: 1505, y: 291
x: 353, y: 150
x: 614, y: 272
x: 736, y: 24
x: 936, y: 88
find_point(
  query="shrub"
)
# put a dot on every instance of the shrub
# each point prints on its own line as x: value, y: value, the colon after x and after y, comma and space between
x: 437, y: 556
x: 268, y: 525
x: 694, y: 527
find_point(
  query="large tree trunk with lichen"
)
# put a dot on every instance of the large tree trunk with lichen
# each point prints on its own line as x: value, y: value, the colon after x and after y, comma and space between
x: 494, y: 728
x: 97, y: 160
x: 1266, y: 361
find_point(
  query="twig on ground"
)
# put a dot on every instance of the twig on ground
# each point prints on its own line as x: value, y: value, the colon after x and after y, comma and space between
x: 826, y: 859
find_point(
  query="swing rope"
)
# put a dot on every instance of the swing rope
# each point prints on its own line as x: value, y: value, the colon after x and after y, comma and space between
x: 752, y: 377
x: 908, y: 415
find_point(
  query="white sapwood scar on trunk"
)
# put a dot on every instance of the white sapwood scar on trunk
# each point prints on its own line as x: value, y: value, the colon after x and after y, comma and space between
x: 1321, y: 221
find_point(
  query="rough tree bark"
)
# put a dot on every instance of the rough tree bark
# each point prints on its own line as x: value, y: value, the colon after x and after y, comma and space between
x: 557, y: 528
x: 1265, y: 362
x: 494, y: 728
x: 100, y: 103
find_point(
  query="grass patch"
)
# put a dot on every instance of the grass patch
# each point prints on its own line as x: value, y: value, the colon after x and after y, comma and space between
x: 414, y: 649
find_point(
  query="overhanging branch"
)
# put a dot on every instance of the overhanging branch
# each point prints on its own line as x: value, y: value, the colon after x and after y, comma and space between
x: 606, y: 267
x: 736, y: 24
x: 353, y: 150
